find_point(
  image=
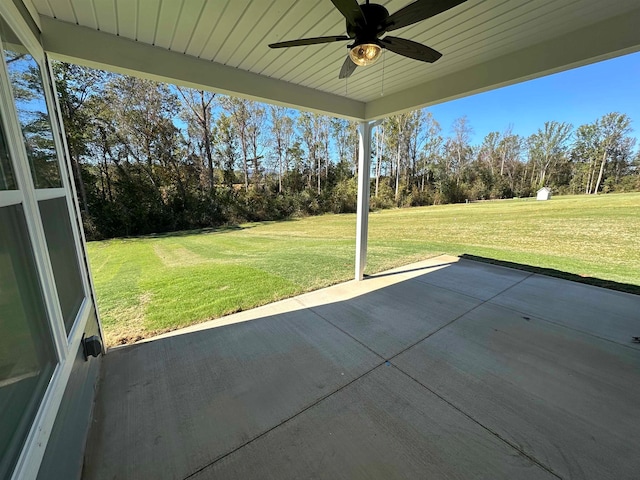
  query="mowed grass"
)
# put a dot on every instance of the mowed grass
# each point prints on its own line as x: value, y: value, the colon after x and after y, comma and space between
x: 154, y: 284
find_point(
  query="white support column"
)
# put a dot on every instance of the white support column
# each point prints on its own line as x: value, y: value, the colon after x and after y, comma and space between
x: 364, y: 174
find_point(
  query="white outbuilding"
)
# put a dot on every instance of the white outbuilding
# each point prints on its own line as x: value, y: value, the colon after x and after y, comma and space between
x: 544, y: 194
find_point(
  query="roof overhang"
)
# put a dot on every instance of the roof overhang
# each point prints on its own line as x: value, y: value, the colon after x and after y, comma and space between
x: 603, y: 39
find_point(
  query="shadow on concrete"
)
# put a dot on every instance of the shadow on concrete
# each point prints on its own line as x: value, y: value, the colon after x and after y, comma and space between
x: 551, y: 272
x: 401, y: 271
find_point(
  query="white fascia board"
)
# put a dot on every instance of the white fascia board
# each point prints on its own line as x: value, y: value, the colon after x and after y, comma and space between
x: 89, y: 47
x: 606, y: 39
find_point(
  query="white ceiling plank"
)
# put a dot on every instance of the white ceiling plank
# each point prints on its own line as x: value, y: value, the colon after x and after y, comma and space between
x: 212, y: 14
x: 247, y: 32
x: 127, y: 15
x: 303, y: 27
x: 147, y: 20
x: 106, y: 15
x: 85, y: 13
x: 170, y: 12
x: 186, y: 25
x: 258, y: 36
x: 291, y: 15
x: 63, y: 11
x: 296, y: 59
x: 43, y: 7
x: 220, y: 36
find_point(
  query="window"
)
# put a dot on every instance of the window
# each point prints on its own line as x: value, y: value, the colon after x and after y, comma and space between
x: 27, y: 356
x: 26, y: 83
x: 62, y: 252
x: 31, y: 105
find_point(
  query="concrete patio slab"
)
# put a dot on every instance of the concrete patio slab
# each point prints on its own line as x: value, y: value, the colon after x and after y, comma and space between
x: 598, y: 311
x: 383, y: 425
x: 300, y: 388
x: 389, y: 320
x: 167, y: 407
x: 566, y: 398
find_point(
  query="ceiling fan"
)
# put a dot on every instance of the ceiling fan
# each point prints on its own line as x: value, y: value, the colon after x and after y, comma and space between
x: 367, y: 25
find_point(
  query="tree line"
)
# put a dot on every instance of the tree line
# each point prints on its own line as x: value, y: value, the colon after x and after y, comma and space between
x: 148, y: 157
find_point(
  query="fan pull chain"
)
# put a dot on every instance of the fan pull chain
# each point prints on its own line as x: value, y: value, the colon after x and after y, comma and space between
x: 382, y: 84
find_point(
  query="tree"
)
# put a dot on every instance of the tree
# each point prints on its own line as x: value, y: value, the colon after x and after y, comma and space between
x: 197, y: 108
x: 488, y: 153
x: 254, y: 133
x: 281, y: 138
x: 226, y: 147
x: 548, y: 146
x: 613, y: 128
x: 432, y: 149
x: 458, y: 148
x: 238, y: 109
x: 583, y: 154
x: 77, y: 85
x: 509, y: 151
x: 311, y: 125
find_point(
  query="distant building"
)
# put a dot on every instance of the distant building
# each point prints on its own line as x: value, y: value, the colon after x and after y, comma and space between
x: 544, y: 194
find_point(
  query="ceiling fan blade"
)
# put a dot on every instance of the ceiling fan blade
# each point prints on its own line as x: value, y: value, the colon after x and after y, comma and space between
x: 309, y: 41
x: 351, y: 10
x: 411, y: 49
x: 348, y: 67
x: 418, y: 11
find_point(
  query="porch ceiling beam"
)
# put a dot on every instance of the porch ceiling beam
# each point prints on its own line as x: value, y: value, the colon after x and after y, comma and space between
x: 85, y: 46
x: 606, y: 39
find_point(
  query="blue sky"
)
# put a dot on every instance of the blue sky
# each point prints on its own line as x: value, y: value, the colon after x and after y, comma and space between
x: 576, y: 96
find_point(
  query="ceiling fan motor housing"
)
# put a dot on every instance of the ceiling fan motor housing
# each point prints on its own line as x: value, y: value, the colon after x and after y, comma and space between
x: 375, y: 16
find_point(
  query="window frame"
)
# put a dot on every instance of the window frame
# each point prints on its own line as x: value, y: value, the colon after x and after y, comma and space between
x: 65, y: 346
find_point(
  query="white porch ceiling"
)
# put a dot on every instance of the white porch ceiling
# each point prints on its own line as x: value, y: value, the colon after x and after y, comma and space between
x: 222, y: 45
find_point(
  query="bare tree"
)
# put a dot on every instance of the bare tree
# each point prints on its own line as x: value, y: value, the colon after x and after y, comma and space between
x: 281, y: 138
x: 613, y: 128
x: 547, y: 146
x: 239, y: 113
x: 197, y: 112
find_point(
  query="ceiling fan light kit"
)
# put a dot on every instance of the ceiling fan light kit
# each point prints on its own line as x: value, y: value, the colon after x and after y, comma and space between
x: 367, y: 25
x: 365, y: 54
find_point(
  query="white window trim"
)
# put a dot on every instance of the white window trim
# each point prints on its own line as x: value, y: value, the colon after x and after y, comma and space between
x: 66, y: 349
x: 74, y: 204
x: 49, y: 193
x: 66, y: 172
x: 10, y: 197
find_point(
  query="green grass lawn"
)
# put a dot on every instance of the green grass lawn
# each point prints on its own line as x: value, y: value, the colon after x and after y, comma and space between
x: 154, y: 284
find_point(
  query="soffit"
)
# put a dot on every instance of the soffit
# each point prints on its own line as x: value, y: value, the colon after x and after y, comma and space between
x: 235, y: 34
